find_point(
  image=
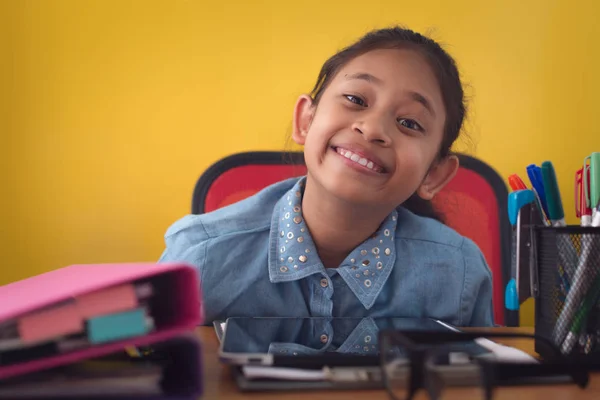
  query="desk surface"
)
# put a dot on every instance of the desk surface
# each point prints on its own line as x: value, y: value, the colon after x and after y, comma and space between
x: 220, y: 385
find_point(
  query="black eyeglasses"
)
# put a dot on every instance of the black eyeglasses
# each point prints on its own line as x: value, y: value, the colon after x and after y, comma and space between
x: 415, y: 360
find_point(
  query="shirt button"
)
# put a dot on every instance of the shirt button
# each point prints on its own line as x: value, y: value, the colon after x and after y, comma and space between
x: 324, y: 282
x: 324, y: 338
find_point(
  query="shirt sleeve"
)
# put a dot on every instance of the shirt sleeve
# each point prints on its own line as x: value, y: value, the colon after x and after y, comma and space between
x: 476, y: 299
x: 186, y: 242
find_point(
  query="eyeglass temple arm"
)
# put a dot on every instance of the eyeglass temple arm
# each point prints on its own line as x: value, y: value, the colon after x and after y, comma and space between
x: 436, y: 337
x: 510, y: 373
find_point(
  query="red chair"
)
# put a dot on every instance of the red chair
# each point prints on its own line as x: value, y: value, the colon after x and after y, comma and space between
x: 474, y: 203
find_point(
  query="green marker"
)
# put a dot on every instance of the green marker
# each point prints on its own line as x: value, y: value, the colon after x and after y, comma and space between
x: 555, y: 207
x: 592, y: 189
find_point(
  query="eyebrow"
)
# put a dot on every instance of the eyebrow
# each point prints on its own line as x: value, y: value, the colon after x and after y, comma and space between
x: 415, y: 96
x: 418, y: 97
x: 365, y: 77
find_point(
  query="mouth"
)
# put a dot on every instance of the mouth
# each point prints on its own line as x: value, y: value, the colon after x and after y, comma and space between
x: 360, y: 160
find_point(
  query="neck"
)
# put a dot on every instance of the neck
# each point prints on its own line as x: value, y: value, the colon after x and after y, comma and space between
x: 336, y: 226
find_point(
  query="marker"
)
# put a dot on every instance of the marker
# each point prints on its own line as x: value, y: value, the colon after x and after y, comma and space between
x: 535, y: 176
x: 516, y: 183
x: 568, y: 257
x: 592, y: 185
x: 556, y: 212
x: 582, y: 208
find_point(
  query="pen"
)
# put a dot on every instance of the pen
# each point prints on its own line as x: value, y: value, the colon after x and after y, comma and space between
x: 553, y: 199
x: 535, y: 176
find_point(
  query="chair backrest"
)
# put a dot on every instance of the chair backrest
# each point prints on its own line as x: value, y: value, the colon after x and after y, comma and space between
x: 474, y: 203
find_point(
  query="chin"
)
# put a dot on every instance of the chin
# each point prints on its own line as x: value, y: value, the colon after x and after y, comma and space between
x: 353, y: 192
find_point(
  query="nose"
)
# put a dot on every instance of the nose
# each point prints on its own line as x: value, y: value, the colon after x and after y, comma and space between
x: 372, y: 128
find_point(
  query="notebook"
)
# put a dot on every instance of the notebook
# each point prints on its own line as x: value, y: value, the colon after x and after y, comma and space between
x: 172, y: 372
x: 84, y: 311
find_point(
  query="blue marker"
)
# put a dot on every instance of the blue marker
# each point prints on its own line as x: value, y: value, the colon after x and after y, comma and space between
x: 537, y: 182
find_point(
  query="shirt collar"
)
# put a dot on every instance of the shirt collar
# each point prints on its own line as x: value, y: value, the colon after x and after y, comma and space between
x: 363, y: 339
x: 293, y: 254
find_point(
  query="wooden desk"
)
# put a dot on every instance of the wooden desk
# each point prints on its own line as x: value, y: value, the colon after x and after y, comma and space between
x: 218, y: 384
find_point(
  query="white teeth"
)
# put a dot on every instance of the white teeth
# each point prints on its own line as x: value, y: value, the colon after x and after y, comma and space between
x: 358, y: 159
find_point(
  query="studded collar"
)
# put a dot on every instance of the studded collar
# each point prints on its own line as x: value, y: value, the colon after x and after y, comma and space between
x: 293, y: 254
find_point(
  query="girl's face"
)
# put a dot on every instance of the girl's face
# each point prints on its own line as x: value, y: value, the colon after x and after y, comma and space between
x: 375, y: 134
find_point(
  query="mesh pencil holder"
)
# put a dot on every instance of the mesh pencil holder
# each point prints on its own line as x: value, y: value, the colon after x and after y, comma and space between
x: 567, y: 307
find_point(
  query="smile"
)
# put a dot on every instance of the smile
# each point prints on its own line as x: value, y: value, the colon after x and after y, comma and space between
x: 360, y: 160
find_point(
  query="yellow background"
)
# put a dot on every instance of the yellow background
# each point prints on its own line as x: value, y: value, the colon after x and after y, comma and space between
x: 110, y: 110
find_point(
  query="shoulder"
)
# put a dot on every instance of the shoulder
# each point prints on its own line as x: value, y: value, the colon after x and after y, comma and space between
x: 427, y: 230
x: 430, y: 234
x: 454, y: 259
x: 193, y: 238
x: 251, y: 214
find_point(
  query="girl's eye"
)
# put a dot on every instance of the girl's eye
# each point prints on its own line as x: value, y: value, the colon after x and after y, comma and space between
x: 355, y: 99
x: 410, y: 124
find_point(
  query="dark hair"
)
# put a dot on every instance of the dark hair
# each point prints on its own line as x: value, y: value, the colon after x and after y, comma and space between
x: 444, y: 68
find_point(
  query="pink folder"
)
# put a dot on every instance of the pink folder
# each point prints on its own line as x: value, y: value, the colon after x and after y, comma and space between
x: 178, y: 294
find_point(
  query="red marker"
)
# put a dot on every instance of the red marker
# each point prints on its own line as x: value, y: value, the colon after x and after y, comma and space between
x: 581, y: 208
x: 516, y: 183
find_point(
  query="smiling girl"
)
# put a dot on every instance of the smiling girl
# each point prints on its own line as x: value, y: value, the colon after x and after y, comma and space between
x: 350, y: 238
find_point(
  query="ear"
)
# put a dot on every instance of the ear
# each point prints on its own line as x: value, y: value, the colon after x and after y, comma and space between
x: 438, y: 176
x: 304, y: 112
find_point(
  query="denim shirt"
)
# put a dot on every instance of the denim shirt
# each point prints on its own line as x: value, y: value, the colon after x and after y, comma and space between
x: 311, y: 336
x: 257, y: 258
